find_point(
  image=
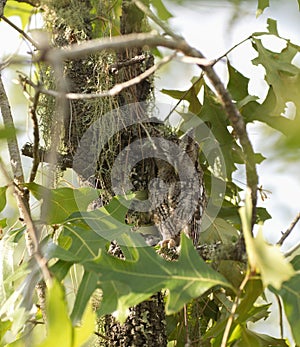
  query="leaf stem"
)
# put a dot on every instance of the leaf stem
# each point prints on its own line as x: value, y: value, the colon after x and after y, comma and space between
x: 233, y: 310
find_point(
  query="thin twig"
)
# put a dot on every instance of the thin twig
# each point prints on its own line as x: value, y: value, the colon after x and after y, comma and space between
x: 36, y: 137
x: 114, y: 68
x: 292, y: 250
x: 183, y: 96
x: 2, y: 4
x: 233, y: 310
x: 21, y: 194
x: 101, y: 335
x: 288, y: 230
x: 32, y: 233
x: 22, y: 32
x: 232, y: 48
x: 280, y: 309
x: 111, y: 92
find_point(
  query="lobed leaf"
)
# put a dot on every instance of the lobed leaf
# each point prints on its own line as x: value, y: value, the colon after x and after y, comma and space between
x: 130, y: 282
x: 264, y: 258
x: 261, y: 6
x: 290, y: 296
x: 59, y: 203
x: 22, y: 10
x: 161, y: 9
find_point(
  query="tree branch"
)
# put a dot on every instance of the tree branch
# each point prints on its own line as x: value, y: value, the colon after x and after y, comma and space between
x: 233, y: 310
x: 22, y: 32
x: 178, y: 44
x: 36, y: 137
x: 32, y: 234
x: 13, y: 147
x: 233, y: 113
x: 2, y: 5
x: 289, y: 230
x: 111, y: 92
x: 21, y: 194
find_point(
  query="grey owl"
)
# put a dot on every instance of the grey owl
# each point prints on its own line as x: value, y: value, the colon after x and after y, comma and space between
x: 175, y: 191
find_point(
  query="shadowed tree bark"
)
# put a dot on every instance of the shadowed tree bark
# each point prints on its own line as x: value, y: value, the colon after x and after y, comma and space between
x: 71, y: 23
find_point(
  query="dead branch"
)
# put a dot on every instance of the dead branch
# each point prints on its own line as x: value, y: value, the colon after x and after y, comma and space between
x: 111, y: 92
x: 289, y: 230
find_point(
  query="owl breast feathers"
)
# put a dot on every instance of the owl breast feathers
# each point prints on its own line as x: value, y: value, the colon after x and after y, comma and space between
x: 175, y: 192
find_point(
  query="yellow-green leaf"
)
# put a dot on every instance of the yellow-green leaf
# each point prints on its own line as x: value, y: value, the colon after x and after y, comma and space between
x: 274, y: 268
x: 20, y: 9
x: 83, y: 332
x: 264, y: 258
x: 59, y: 325
x: 261, y: 6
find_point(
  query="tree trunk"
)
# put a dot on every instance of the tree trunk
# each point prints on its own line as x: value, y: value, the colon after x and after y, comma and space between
x: 71, y: 22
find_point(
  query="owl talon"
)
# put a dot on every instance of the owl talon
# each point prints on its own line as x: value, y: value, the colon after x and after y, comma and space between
x: 169, y: 243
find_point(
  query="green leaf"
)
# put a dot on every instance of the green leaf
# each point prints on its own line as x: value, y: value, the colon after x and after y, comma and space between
x: 190, y: 95
x: 87, y: 286
x: 84, y: 242
x: 7, y: 133
x: 214, y: 116
x: 261, y: 6
x: 272, y: 26
x: 3, y: 223
x: 86, y: 330
x: 220, y: 230
x: 130, y: 282
x: 60, y: 331
x: 281, y: 74
x: 264, y: 258
x: 117, y: 207
x: 244, y: 313
x: 253, y: 290
x: 2, y: 197
x: 290, y: 296
x: 59, y: 327
x: 238, y: 84
x: 262, y: 215
x: 4, y: 327
x: 250, y: 338
x: 20, y: 9
x: 270, y: 261
x: 265, y: 113
x: 162, y: 11
x: 59, y: 203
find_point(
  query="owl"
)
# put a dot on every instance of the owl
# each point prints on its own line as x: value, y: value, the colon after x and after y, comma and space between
x: 174, y: 189
x: 178, y: 196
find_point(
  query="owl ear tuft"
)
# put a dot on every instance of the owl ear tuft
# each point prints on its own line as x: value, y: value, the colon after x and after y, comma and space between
x: 189, y: 144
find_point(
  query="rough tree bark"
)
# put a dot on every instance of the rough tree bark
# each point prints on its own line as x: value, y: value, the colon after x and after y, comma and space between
x: 69, y: 23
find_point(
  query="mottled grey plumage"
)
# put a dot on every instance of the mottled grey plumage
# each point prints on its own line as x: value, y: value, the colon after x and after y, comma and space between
x: 174, y: 190
x: 183, y: 193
